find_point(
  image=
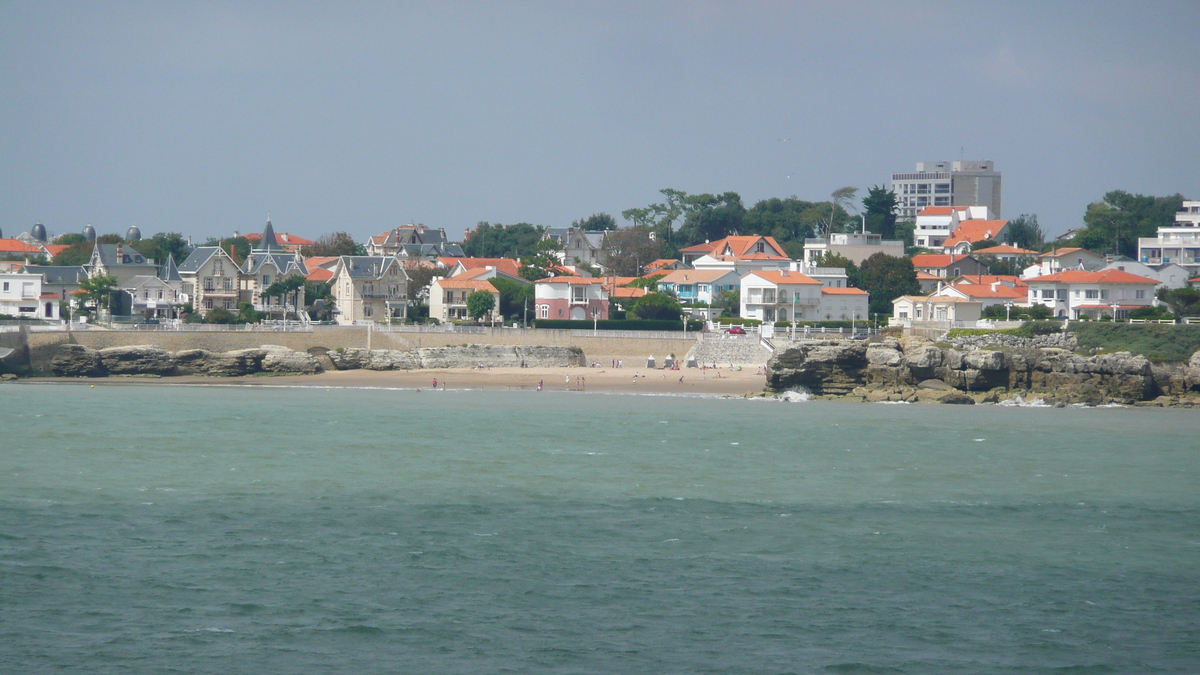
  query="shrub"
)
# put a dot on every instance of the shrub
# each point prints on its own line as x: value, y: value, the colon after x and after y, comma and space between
x: 629, y: 324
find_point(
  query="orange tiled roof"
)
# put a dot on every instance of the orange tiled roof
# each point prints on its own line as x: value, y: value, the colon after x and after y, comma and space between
x: 661, y: 262
x: 784, y: 277
x: 319, y: 261
x: 459, y: 283
x: 625, y: 292
x: 935, y: 259
x: 319, y: 274
x: 573, y: 280
x: 18, y: 246
x: 506, y: 265
x: 1101, y: 277
x: 975, y: 291
x: 843, y: 291
x: 972, y: 231
x: 1061, y: 252
x: 940, y: 210
x: 1005, y: 249
x: 1016, y: 281
x: 693, y: 276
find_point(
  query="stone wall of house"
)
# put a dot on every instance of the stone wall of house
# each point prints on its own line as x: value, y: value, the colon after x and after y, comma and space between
x: 915, y: 368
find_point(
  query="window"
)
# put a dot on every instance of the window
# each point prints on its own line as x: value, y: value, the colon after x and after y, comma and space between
x: 208, y: 283
x: 208, y: 303
x: 1062, y: 294
x: 578, y: 294
x: 1104, y: 294
x: 266, y: 280
x: 1091, y: 294
x: 228, y: 304
x: 1047, y: 293
x: 6, y: 285
x: 227, y: 284
x: 367, y: 311
x: 544, y: 312
x: 1140, y: 295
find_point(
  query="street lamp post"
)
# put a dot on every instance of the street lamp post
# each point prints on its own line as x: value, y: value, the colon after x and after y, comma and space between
x: 1007, y: 311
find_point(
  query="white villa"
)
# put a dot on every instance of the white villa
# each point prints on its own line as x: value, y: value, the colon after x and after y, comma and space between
x: 786, y: 295
x: 1075, y: 293
x: 1178, y: 244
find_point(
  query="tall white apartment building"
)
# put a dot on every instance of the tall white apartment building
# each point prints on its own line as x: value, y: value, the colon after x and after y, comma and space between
x: 1179, y: 244
x: 962, y: 183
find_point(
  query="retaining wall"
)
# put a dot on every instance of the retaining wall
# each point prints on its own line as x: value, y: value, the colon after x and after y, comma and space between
x: 601, y: 349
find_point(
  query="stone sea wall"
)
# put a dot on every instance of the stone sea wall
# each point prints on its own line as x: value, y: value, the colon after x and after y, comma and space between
x: 463, y: 356
x: 916, y: 369
x: 73, y: 360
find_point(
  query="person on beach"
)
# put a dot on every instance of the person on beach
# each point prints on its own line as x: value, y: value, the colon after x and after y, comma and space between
x: 435, y: 383
x: 539, y: 385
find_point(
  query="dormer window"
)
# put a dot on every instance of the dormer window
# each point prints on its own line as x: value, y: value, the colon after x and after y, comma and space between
x: 761, y: 247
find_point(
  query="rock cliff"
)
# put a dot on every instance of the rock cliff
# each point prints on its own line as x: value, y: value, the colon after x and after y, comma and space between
x: 79, y: 361
x: 917, y: 369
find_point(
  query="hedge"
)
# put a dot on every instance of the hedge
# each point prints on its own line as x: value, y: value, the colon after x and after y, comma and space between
x: 609, y: 324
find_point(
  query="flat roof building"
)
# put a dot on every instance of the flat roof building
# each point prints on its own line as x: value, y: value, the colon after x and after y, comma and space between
x: 960, y: 183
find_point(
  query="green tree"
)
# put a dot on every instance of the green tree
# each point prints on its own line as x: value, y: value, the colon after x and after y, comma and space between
x: 880, y: 208
x: 904, y: 232
x: 790, y: 221
x: 1182, y: 301
x: 662, y: 218
x: 886, y: 278
x: 75, y: 255
x: 515, y: 297
x: 841, y: 201
x: 628, y: 250
x: 247, y: 313
x: 97, y: 291
x: 109, y: 239
x: 710, y: 217
x: 479, y: 303
x: 502, y: 241
x: 596, y: 222
x: 836, y: 260
x: 163, y: 244
x: 649, y: 283
x: 237, y: 247
x: 1024, y: 232
x: 220, y: 315
x: 419, y: 279
x: 335, y: 244
x: 656, y: 306
x: 1114, y: 224
x: 70, y: 239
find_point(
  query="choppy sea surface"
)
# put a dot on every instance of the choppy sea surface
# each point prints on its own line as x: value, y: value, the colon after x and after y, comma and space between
x: 176, y: 529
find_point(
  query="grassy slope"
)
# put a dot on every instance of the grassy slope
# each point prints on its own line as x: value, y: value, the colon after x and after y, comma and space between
x: 1157, y: 342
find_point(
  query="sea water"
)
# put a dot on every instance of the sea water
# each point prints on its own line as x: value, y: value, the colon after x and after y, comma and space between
x: 153, y: 529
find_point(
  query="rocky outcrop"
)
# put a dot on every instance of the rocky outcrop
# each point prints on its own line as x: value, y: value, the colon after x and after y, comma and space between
x: 137, y: 360
x: 77, y: 361
x: 73, y: 360
x: 466, y: 356
x: 915, y: 368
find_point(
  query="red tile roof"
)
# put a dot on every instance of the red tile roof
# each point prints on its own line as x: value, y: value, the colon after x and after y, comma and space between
x: 784, y: 277
x: 283, y: 238
x: 319, y: 274
x: 1101, y: 277
x: 571, y: 280
x: 1005, y: 249
x: 935, y: 259
x: 1016, y: 281
x: 940, y: 210
x: 18, y: 246
x: 506, y: 265
x: 972, y: 231
x: 843, y: 291
x: 461, y: 283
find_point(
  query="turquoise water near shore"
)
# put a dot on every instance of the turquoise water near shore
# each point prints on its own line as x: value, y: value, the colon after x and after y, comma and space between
x: 148, y: 529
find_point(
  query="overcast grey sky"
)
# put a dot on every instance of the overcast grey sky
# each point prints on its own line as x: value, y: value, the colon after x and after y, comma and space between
x: 204, y: 117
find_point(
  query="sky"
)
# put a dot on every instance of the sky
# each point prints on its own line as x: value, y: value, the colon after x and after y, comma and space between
x: 203, y: 117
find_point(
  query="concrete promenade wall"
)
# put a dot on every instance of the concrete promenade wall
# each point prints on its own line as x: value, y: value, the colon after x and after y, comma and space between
x: 632, y: 351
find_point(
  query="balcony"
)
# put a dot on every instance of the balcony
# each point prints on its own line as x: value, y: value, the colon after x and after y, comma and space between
x: 268, y: 309
x: 221, y: 292
x: 383, y: 296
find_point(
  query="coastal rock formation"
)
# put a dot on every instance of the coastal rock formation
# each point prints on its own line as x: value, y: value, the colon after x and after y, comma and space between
x: 137, y: 360
x: 902, y: 369
x: 78, y: 361
x: 466, y: 356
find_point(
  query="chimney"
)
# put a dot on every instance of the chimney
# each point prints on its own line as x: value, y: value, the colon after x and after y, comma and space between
x: 190, y: 241
x: 782, y: 273
x: 120, y: 252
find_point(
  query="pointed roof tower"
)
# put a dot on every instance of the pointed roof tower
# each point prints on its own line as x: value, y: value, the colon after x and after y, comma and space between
x: 268, y: 242
x: 169, y: 271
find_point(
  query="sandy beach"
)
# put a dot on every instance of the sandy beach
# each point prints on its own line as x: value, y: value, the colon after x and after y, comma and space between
x: 722, y: 381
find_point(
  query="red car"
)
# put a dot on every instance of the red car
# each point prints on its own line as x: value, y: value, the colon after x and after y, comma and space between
x: 736, y: 330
